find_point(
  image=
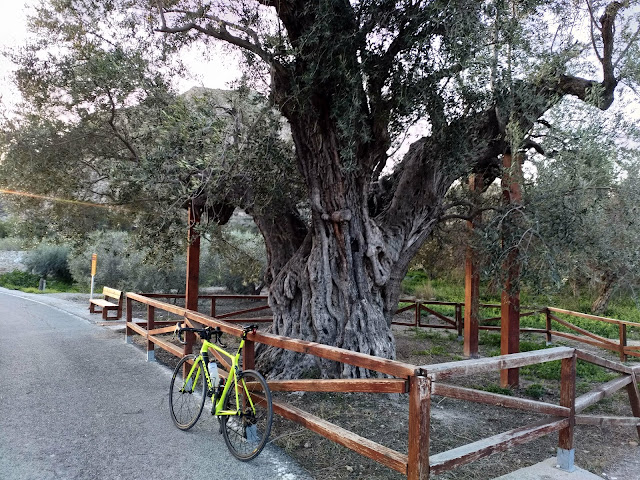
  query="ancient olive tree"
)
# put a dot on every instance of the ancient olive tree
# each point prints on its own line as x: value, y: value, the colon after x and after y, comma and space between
x: 350, y: 77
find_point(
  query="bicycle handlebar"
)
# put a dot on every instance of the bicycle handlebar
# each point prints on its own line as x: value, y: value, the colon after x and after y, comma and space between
x: 207, y: 332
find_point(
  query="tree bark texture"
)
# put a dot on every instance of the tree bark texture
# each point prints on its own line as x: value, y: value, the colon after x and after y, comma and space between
x: 609, y: 282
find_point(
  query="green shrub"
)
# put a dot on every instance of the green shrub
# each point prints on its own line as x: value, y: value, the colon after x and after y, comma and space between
x: 413, y: 280
x: 11, y: 243
x: 489, y: 339
x: 528, y: 346
x: 236, y: 260
x: 49, y: 261
x: 18, y: 279
x: 535, y: 390
x: 584, y: 370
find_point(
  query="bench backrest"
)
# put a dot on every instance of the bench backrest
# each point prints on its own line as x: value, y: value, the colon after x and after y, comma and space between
x: 112, y: 293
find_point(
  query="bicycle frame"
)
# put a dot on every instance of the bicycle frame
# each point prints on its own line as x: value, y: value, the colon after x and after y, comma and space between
x: 233, y: 378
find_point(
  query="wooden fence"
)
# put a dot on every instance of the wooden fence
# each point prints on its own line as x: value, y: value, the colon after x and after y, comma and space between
x: 420, y: 383
x: 456, y: 322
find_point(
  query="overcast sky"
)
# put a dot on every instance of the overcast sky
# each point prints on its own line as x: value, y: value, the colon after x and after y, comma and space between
x: 13, y: 32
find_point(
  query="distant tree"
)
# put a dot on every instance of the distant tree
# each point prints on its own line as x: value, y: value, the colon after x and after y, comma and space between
x: 583, y: 202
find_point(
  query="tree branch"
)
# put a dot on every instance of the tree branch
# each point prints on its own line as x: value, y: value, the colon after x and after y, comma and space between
x: 220, y: 33
x: 592, y: 22
x: 581, y: 87
x: 113, y: 126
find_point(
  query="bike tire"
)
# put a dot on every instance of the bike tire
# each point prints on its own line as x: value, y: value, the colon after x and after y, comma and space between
x: 247, y: 434
x: 186, y: 404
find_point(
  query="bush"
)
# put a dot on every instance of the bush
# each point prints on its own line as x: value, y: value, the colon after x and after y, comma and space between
x: 11, y: 244
x: 49, y: 260
x: 18, y: 279
x: 535, y: 390
x: 413, y: 280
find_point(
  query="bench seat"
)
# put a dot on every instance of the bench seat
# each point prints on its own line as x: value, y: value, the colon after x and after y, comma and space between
x: 106, y: 305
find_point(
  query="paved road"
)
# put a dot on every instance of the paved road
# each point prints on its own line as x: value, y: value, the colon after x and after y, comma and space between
x: 76, y: 402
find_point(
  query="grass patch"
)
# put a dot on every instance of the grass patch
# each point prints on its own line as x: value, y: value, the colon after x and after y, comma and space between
x: 535, y: 391
x: 28, y: 283
x: 436, y: 350
x: 424, y: 334
x: 588, y: 372
x: 489, y: 339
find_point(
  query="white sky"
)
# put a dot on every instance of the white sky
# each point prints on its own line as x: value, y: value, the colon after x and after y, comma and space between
x: 12, y: 32
x: 214, y: 73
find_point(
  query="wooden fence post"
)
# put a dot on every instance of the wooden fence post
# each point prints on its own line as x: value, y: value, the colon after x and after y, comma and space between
x: 566, y: 451
x: 417, y: 317
x: 472, y: 277
x: 548, y: 325
x: 213, y: 307
x: 419, y: 422
x: 622, y: 327
x: 459, y: 321
x: 248, y: 355
x: 634, y: 399
x: 127, y: 331
x: 151, y: 314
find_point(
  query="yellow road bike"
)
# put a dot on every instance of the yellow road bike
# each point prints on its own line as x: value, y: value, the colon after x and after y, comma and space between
x: 242, y: 403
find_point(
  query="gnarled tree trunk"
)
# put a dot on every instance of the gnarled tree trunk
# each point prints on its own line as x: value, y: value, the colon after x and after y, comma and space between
x: 342, y: 285
x: 609, y: 282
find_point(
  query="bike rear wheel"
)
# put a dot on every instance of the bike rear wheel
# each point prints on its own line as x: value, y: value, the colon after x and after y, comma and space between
x: 186, y: 398
x: 247, y: 434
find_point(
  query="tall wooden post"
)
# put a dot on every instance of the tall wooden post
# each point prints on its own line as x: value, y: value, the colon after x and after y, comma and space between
x: 472, y: 281
x: 193, y: 271
x: 510, y: 301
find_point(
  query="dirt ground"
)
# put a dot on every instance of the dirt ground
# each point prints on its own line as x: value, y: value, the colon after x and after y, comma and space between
x: 384, y: 418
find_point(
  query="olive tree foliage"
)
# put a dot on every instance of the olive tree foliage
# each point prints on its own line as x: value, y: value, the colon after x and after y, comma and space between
x: 576, y: 227
x: 350, y: 78
x: 585, y: 200
x: 102, y: 125
x: 121, y: 266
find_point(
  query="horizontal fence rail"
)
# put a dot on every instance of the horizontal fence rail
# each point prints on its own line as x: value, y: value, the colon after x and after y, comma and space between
x: 419, y: 383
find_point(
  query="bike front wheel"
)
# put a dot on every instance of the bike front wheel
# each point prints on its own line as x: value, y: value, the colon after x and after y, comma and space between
x: 247, y: 433
x: 187, y: 394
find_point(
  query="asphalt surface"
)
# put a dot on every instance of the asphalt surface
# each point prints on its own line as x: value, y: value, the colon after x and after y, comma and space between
x: 76, y: 402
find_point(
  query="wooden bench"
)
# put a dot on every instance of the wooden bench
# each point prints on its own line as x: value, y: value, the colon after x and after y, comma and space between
x: 106, y: 305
